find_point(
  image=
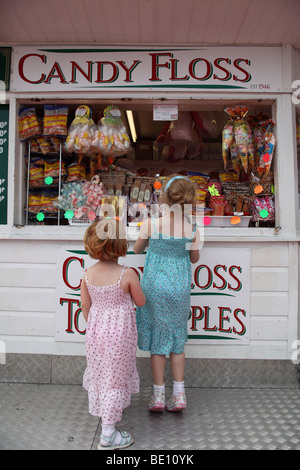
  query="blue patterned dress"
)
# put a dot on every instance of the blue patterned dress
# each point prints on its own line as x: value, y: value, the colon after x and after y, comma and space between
x: 162, y: 321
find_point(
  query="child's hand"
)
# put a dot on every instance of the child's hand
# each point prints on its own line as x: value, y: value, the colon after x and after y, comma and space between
x: 194, y: 250
x: 143, y: 239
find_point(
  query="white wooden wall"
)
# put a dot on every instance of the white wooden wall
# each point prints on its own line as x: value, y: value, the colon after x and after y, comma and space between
x: 27, y: 301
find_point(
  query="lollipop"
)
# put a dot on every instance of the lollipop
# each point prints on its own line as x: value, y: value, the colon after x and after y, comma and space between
x: 234, y: 152
x: 255, y: 121
x: 243, y: 138
x: 257, y: 139
x: 227, y: 139
x: 267, y: 147
x: 242, y: 135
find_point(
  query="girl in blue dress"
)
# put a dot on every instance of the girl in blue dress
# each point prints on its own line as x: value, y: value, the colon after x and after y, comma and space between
x: 162, y: 322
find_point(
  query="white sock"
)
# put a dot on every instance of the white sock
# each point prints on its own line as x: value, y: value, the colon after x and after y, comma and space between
x: 107, y: 431
x: 178, y: 387
x: 158, y: 389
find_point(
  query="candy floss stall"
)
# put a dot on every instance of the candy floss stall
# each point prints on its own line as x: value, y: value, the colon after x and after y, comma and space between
x: 88, y: 131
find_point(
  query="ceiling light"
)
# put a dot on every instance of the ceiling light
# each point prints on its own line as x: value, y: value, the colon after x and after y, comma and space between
x: 131, y: 125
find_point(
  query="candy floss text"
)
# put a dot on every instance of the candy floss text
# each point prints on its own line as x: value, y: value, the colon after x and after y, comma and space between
x: 108, y: 71
x: 219, y: 307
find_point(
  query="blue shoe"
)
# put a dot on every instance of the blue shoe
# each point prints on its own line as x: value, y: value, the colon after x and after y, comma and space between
x: 126, y: 441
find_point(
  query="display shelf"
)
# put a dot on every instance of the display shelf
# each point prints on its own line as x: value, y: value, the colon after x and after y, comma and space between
x: 56, y: 185
x: 221, y: 221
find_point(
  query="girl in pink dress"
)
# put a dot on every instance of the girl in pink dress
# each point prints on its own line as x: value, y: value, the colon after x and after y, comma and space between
x: 108, y: 294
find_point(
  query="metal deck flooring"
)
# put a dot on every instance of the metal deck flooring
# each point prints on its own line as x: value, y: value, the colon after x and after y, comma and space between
x: 55, y: 417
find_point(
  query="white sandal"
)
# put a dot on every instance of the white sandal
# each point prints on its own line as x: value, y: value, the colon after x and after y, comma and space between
x: 126, y: 441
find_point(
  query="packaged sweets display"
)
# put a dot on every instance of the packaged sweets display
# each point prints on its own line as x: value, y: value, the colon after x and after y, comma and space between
x: 34, y: 146
x: 71, y: 196
x: 250, y: 144
x: 237, y: 135
x: 54, y: 124
x: 55, y: 143
x: 81, y: 132
x: 28, y: 124
x: 52, y: 168
x: 111, y: 138
x: 34, y: 203
x: 263, y: 209
x: 267, y: 148
x: 235, y: 160
x: 36, y: 176
x: 255, y: 121
x: 201, y: 182
x: 227, y: 140
x: 93, y: 191
x: 47, y: 206
x: 227, y: 176
x: 55, y: 120
x: 79, y: 171
x: 243, y: 139
x: 81, y: 197
x: 217, y: 204
x: 76, y: 172
x: 44, y: 145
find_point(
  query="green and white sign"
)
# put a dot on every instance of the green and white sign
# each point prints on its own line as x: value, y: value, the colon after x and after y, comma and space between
x: 220, y: 294
x: 230, y: 69
x: 4, y: 117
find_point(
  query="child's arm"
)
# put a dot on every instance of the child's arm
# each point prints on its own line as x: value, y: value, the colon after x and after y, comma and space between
x: 143, y: 239
x: 194, y: 250
x: 135, y: 289
x: 85, y: 300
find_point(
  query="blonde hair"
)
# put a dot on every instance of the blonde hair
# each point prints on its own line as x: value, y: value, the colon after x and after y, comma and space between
x: 181, y: 191
x: 106, y: 239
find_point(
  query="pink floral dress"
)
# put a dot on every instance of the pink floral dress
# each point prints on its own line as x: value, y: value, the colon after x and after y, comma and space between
x: 111, y: 343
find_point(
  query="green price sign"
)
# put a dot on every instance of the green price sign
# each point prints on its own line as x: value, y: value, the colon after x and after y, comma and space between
x: 4, y: 117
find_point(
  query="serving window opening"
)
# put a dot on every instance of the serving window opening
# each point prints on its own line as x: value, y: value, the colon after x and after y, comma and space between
x: 76, y: 157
